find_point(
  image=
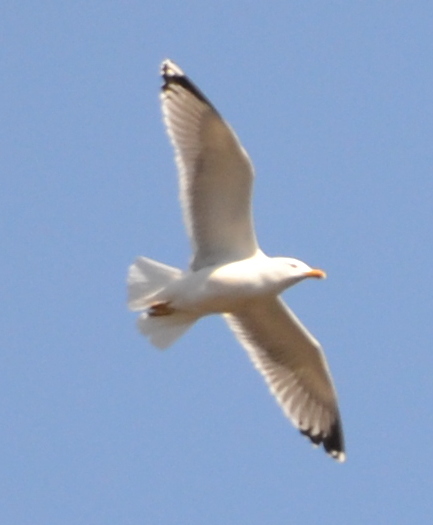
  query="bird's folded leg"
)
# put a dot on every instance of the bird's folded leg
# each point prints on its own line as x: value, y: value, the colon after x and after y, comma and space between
x: 159, y: 309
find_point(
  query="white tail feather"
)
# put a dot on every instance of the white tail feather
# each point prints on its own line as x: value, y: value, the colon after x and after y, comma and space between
x: 163, y: 330
x: 145, y: 278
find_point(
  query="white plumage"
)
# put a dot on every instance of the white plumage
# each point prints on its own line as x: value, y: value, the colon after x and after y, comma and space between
x: 229, y: 274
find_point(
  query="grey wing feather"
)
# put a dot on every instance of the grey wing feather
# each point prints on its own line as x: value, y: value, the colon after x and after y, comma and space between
x: 215, y: 173
x: 294, y: 366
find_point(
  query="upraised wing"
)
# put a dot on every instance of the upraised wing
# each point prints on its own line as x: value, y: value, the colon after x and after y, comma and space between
x: 215, y: 173
x: 295, y: 369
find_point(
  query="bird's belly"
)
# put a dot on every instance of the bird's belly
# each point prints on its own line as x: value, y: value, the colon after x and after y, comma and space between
x: 222, y: 290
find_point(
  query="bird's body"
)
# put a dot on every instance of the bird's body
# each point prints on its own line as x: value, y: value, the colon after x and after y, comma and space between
x: 229, y: 274
x: 229, y: 287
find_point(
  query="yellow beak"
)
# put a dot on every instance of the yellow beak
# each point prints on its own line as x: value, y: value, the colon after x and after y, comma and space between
x: 319, y: 274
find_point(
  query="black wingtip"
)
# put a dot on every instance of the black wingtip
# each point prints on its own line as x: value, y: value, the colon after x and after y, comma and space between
x: 333, y: 443
x: 172, y: 74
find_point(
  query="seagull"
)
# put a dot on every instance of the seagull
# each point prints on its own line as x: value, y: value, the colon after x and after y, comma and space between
x: 229, y: 274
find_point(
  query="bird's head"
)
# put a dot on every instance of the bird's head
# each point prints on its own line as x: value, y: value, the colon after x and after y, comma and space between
x: 295, y: 270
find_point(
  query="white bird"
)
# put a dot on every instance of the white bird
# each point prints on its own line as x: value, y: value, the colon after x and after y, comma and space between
x: 229, y: 274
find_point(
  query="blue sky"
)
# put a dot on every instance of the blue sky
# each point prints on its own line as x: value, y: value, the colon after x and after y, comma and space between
x: 333, y: 101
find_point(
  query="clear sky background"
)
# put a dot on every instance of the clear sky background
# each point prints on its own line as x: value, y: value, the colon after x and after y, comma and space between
x: 333, y: 101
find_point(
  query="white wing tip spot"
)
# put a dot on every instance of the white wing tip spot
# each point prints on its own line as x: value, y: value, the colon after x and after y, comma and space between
x: 170, y: 69
x: 339, y: 456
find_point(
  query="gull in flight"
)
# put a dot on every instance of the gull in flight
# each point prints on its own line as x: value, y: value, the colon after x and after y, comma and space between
x: 229, y: 274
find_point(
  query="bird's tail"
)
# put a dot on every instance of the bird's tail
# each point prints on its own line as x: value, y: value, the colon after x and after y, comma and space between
x: 163, y: 331
x: 146, y: 278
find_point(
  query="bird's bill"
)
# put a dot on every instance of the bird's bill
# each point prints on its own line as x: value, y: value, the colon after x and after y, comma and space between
x: 319, y: 274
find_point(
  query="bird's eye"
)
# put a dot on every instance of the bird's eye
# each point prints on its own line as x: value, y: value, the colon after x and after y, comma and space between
x: 293, y: 265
